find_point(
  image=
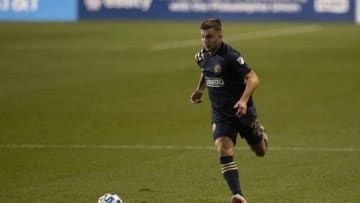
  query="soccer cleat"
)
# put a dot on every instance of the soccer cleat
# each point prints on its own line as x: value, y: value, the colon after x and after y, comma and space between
x: 238, y: 199
x: 265, y: 137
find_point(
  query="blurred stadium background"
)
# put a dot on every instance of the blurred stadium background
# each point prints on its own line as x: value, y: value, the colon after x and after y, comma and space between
x: 94, y: 98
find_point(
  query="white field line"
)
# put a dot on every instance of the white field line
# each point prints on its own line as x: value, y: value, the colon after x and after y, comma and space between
x: 168, y: 147
x: 241, y: 37
x: 59, y: 47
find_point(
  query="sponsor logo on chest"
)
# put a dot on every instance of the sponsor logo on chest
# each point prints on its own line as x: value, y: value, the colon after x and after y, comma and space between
x: 214, y: 82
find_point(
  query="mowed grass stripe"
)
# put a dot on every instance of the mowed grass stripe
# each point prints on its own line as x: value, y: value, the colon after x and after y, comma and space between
x: 262, y: 34
x: 168, y: 147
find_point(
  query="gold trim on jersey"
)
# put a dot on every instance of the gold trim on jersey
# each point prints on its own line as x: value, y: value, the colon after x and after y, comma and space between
x: 199, y: 55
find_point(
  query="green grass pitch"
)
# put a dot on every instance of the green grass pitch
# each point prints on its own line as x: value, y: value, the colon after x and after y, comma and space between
x: 95, y: 107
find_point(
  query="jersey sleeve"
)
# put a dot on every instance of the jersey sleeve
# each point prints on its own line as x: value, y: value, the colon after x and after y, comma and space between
x: 199, y: 56
x: 239, y: 64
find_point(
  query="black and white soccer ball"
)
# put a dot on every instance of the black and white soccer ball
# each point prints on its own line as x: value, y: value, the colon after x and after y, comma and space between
x: 110, y: 198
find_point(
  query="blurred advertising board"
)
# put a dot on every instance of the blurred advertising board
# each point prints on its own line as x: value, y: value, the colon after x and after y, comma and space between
x: 237, y: 10
x: 38, y: 10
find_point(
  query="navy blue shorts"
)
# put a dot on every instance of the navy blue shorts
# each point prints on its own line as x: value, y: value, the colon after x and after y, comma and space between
x: 247, y: 126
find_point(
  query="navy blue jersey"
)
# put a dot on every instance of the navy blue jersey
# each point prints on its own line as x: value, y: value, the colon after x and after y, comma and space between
x: 224, y: 75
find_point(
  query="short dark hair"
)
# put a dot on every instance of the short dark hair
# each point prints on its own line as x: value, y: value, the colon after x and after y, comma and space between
x: 211, y: 23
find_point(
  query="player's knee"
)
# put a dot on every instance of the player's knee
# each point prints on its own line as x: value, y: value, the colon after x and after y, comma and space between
x: 224, y: 150
x: 260, y: 153
x: 224, y: 146
x: 260, y: 150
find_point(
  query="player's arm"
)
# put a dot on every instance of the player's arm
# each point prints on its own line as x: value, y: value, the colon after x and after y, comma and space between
x: 197, y: 94
x: 251, y: 84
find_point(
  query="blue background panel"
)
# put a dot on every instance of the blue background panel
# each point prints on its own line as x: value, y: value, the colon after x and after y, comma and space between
x: 237, y: 10
x: 38, y: 10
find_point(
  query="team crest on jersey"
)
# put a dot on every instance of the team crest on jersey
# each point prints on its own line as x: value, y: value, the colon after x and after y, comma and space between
x: 213, y: 127
x: 217, y: 68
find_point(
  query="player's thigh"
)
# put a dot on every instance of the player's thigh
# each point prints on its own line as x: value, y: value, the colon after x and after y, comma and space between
x: 224, y: 136
x: 223, y: 128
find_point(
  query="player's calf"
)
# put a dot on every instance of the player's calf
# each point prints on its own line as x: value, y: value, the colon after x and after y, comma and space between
x: 261, y: 148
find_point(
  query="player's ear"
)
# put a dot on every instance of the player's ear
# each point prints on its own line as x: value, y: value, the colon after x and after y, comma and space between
x: 220, y: 34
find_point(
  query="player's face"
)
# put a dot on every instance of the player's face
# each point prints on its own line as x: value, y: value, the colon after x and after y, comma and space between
x: 210, y: 39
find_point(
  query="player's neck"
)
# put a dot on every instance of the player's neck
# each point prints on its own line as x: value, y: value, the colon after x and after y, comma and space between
x: 216, y: 49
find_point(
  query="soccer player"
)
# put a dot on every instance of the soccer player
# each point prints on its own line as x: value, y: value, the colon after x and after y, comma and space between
x: 230, y: 83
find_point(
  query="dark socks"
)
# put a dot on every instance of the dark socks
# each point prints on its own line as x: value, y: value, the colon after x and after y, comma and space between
x: 231, y: 174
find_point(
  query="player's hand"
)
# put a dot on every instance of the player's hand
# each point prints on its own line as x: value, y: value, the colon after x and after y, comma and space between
x: 241, y: 107
x: 196, y: 97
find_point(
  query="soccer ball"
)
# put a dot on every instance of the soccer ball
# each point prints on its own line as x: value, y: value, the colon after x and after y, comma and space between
x: 110, y: 198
